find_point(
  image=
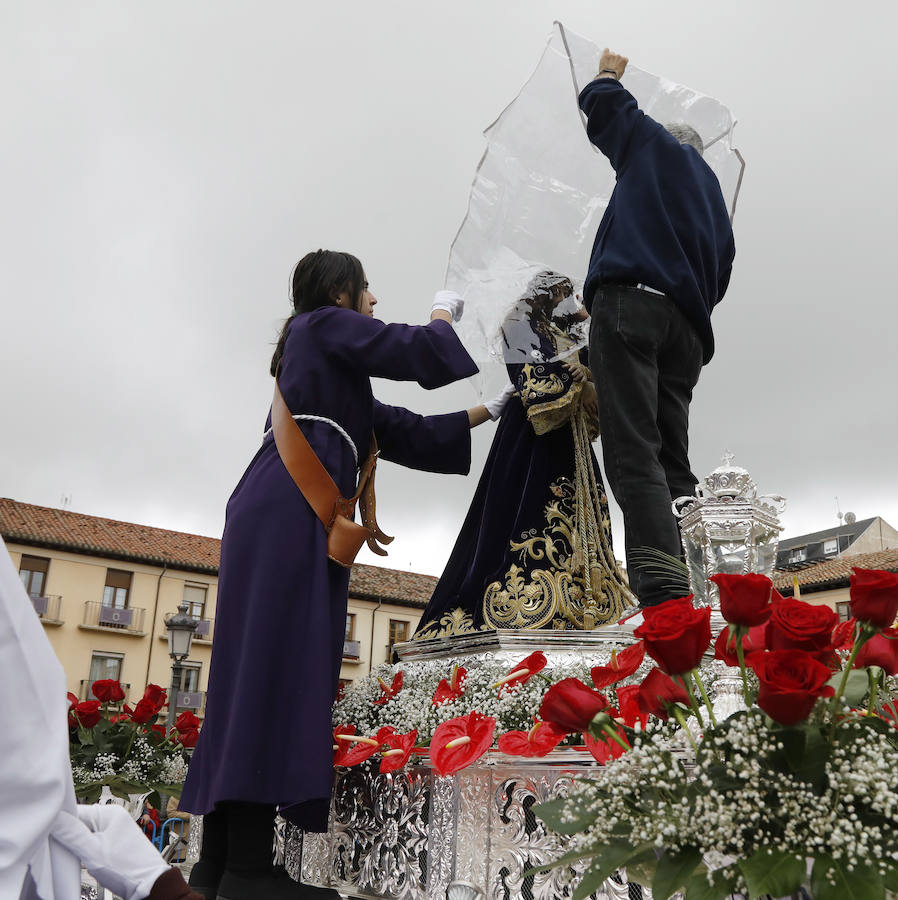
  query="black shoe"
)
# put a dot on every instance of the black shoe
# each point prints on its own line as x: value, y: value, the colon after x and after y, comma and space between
x: 273, y: 885
x: 204, y: 879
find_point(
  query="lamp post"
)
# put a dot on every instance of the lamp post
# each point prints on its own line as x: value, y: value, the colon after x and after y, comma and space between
x: 180, y: 634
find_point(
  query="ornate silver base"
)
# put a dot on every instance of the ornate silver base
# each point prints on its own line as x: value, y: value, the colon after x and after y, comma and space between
x: 414, y: 835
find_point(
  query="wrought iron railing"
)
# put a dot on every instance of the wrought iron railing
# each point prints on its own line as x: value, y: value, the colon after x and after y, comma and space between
x: 47, y: 606
x: 129, y: 620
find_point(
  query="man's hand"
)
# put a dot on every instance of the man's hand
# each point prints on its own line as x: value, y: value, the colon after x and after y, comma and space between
x: 612, y: 65
x: 590, y: 405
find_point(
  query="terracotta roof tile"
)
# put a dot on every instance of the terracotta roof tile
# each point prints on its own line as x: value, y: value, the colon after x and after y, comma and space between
x: 62, y: 529
x: 834, y: 573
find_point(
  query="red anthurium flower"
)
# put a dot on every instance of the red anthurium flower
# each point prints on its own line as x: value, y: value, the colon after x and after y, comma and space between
x: 570, y: 705
x: 658, y: 693
x: 518, y: 674
x: 350, y: 749
x: 387, y: 692
x: 622, y: 664
x: 843, y: 635
x: 400, y: 749
x: 744, y: 599
x: 880, y: 650
x: 451, y: 689
x: 725, y: 645
x: 790, y: 681
x: 874, y: 596
x: 796, y: 625
x: 458, y: 742
x: 542, y: 738
x: 604, y: 749
x: 628, y: 701
x: 676, y: 634
x: 88, y: 713
x: 108, y: 690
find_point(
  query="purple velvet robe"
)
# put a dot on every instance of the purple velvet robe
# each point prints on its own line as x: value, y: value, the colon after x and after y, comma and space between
x: 281, y: 611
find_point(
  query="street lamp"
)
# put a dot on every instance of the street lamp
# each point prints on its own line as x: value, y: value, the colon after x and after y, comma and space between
x: 180, y: 634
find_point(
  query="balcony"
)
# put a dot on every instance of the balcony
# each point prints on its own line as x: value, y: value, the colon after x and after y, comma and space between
x: 85, y: 693
x: 352, y: 650
x: 98, y: 617
x: 192, y: 700
x: 47, y: 607
x: 203, y: 632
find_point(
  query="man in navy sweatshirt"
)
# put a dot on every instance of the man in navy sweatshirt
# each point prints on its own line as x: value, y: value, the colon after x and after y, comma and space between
x: 660, y: 263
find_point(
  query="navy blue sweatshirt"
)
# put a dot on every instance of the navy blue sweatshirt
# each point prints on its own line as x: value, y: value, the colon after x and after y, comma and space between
x: 667, y: 224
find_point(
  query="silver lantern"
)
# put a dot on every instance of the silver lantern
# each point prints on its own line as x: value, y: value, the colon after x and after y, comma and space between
x: 727, y: 528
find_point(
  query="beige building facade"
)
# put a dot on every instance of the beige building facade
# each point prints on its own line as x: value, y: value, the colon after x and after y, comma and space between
x: 103, y: 590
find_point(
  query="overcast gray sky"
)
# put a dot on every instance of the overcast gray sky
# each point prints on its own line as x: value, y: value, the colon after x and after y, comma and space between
x: 164, y: 165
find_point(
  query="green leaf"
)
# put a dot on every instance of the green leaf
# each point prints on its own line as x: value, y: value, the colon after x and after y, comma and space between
x: 890, y: 880
x: 717, y: 885
x: 855, y: 689
x: 565, y: 815
x: 566, y: 860
x: 119, y: 791
x: 830, y: 880
x: 771, y: 871
x: 608, y: 859
x: 641, y: 868
x: 673, y: 871
x: 592, y: 880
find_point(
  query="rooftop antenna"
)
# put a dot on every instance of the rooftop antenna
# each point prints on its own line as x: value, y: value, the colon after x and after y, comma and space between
x: 66, y: 500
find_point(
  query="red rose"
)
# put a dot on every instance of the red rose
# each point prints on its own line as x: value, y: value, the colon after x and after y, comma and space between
x: 542, y: 738
x: 401, y: 747
x: 107, y: 690
x: 725, y: 645
x: 744, y: 599
x: 570, y: 705
x: 880, y: 650
x: 519, y: 673
x: 451, y: 689
x: 658, y: 693
x: 622, y: 664
x: 676, y: 634
x: 628, y: 702
x: 458, y: 742
x: 874, y: 596
x: 603, y: 749
x: 188, y: 738
x: 88, y: 713
x: 388, y: 691
x: 144, y: 711
x: 790, y: 683
x: 843, y: 635
x: 351, y: 749
x: 155, y: 696
x: 796, y: 625
x: 187, y: 721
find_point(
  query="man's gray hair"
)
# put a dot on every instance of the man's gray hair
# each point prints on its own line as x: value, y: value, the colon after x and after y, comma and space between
x: 686, y: 134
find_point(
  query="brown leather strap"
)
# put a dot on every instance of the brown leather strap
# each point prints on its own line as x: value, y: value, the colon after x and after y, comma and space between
x: 306, y: 470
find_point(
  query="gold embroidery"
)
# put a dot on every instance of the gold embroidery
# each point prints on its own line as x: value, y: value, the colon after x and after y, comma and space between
x: 540, y: 380
x: 456, y: 621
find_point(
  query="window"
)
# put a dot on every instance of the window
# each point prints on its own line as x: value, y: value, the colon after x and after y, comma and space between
x: 831, y: 546
x: 195, y: 598
x: 190, y: 677
x: 843, y: 608
x: 799, y: 554
x: 398, y: 632
x: 118, y: 585
x: 350, y: 626
x: 33, y: 572
x: 105, y: 665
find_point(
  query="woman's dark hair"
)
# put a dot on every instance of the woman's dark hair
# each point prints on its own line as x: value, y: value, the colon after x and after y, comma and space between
x: 317, y: 280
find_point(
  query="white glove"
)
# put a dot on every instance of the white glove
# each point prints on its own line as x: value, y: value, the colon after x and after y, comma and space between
x: 495, y: 406
x: 112, y: 848
x: 451, y: 302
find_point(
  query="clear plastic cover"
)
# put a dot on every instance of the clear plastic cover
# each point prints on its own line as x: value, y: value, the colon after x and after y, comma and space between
x: 539, y: 194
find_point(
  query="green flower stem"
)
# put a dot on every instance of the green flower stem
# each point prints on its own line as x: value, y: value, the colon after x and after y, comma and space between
x: 740, y: 655
x: 131, y: 741
x: 865, y: 632
x: 681, y: 719
x: 873, y: 681
x: 687, y: 686
x: 613, y: 734
x: 704, y: 693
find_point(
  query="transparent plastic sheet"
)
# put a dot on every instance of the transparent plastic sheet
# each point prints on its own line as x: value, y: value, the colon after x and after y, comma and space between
x: 539, y: 194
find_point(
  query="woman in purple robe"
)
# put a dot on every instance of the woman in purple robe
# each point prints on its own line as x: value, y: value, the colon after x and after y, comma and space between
x: 266, y: 741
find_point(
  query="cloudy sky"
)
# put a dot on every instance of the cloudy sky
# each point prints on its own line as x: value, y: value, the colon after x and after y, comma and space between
x: 164, y: 165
